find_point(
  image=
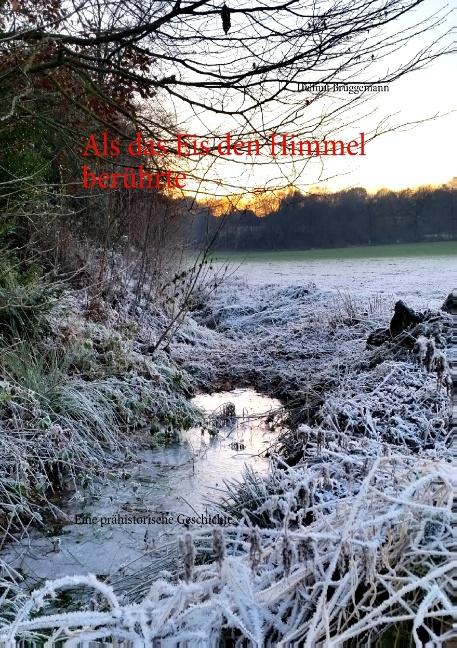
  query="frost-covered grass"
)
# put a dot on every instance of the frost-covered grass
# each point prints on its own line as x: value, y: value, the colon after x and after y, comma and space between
x: 376, y: 556
x: 74, y: 405
x: 349, y: 536
x: 296, y: 343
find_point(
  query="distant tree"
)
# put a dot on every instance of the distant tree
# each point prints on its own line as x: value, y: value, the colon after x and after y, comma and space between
x: 344, y: 218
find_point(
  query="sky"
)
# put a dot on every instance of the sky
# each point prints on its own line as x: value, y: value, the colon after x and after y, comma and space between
x: 420, y: 107
x: 420, y: 154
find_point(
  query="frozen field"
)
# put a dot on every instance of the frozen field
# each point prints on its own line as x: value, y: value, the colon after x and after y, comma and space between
x: 423, y: 278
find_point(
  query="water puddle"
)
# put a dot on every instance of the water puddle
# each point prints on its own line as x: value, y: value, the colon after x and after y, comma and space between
x: 131, y: 513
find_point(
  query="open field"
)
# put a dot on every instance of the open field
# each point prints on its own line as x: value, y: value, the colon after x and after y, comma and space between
x: 420, y: 274
x: 439, y: 248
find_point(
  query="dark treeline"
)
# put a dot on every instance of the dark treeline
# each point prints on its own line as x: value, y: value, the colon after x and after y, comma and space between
x: 351, y: 217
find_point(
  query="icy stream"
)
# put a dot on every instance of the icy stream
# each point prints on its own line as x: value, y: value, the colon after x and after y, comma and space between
x: 166, y: 485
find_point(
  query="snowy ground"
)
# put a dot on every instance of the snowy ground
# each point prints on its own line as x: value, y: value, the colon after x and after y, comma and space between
x: 422, y: 281
x: 351, y: 529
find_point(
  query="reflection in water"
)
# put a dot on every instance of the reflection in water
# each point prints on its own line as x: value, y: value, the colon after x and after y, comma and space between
x: 131, y: 513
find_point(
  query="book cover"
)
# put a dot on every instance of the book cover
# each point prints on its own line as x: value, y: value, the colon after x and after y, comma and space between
x: 228, y: 324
